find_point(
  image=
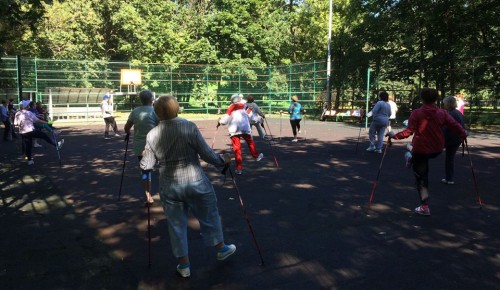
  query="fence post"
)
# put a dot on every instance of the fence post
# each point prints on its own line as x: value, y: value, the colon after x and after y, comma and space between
x: 19, y: 79
x: 51, y: 113
x: 367, y: 95
x: 270, y: 90
x: 207, y: 92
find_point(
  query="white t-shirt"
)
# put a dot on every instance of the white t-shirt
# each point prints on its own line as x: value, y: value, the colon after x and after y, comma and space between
x: 106, y: 109
x: 394, y: 109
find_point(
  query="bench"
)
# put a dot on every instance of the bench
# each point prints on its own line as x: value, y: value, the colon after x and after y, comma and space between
x: 342, y: 115
x: 73, y: 113
x: 75, y: 103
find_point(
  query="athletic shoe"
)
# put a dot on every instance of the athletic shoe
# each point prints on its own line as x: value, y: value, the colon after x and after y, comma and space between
x: 408, y: 159
x: 378, y: 151
x: 31, y: 162
x: 117, y: 135
x: 447, y: 181
x: 225, y: 252
x: 300, y: 132
x: 107, y: 137
x: 60, y: 144
x: 295, y: 140
x: 370, y: 149
x: 239, y: 172
x: 35, y: 144
x: 184, y: 271
x: 259, y: 158
x: 423, y: 210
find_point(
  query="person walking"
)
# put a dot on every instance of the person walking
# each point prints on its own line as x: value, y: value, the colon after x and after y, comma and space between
x: 451, y: 140
x: 255, y: 116
x: 295, y: 110
x: 25, y: 120
x: 460, y: 103
x: 380, y: 113
x: 426, y: 124
x: 238, y: 126
x: 142, y: 119
x: 5, y: 116
x: 394, y: 110
x: 177, y: 145
x: 109, y: 119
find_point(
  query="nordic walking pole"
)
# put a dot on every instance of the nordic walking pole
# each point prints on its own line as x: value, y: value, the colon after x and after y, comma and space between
x: 123, y: 169
x: 57, y: 147
x: 474, y: 176
x: 215, y: 135
x: 271, y: 144
x: 280, y: 123
x: 359, y: 134
x: 387, y: 145
x: 149, y: 235
x: 305, y: 128
x: 226, y: 167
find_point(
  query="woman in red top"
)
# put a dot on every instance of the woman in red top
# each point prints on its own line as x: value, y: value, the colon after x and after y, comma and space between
x: 426, y: 124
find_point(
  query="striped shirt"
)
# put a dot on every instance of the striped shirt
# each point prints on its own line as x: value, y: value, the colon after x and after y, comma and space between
x: 177, y: 145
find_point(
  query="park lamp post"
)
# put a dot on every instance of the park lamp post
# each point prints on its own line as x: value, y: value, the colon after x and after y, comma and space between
x: 328, y: 62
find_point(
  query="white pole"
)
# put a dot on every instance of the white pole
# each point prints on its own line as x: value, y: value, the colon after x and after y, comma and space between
x: 328, y: 62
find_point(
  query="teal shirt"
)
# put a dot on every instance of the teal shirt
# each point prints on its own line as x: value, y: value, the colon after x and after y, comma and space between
x: 144, y: 119
x: 295, y: 111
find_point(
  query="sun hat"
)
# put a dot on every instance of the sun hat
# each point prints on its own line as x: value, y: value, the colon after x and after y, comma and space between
x: 236, y: 98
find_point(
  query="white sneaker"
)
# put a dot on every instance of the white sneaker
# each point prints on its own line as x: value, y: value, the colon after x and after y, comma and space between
x: 35, y: 144
x: 227, y: 251
x: 259, y: 158
x: 370, y: 149
x: 31, y: 162
x: 184, y: 272
x: 447, y: 181
x: 60, y: 144
x: 239, y: 172
x: 107, y: 137
x: 117, y: 135
x: 300, y: 132
x: 295, y: 140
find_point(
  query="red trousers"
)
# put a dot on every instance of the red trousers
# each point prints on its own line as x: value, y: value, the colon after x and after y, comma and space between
x: 235, y: 139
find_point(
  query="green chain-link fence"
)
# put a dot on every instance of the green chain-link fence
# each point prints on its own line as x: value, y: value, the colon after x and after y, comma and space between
x: 199, y: 88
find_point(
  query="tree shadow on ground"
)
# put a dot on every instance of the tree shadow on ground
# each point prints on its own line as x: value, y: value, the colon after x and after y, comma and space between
x: 308, y: 216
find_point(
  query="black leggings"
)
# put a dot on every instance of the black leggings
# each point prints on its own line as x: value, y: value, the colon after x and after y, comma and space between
x: 421, y: 172
x: 450, y: 161
x: 28, y: 140
x: 295, y: 125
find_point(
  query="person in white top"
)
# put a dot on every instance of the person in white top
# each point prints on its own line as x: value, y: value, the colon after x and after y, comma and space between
x: 109, y: 119
x: 460, y: 103
x: 394, y: 110
x: 143, y: 119
x: 24, y: 119
x: 238, y: 126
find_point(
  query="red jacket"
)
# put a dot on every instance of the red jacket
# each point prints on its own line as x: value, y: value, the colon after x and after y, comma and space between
x: 427, y: 124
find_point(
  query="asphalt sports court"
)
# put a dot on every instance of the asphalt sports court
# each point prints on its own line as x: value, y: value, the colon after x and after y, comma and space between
x: 64, y: 228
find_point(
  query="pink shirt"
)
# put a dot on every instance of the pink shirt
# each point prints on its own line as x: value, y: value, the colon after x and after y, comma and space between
x: 25, y: 119
x: 460, y: 106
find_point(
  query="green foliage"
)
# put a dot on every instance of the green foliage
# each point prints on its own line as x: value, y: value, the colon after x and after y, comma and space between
x: 448, y: 44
